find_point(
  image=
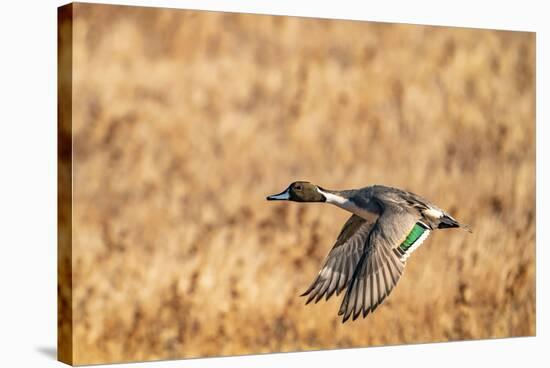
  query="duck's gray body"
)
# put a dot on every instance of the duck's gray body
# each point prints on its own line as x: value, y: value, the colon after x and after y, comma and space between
x: 370, y: 253
x: 375, y: 199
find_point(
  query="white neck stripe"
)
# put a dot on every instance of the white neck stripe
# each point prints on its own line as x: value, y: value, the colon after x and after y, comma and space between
x: 348, y: 205
x: 333, y: 198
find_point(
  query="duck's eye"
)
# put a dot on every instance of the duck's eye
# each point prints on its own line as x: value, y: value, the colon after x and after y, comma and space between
x: 298, y: 187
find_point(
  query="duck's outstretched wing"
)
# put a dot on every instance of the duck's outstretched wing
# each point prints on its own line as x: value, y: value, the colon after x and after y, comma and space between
x: 382, y: 262
x: 341, y: 261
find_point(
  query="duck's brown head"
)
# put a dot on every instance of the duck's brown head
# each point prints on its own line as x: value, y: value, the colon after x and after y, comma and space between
x: 299, y: 191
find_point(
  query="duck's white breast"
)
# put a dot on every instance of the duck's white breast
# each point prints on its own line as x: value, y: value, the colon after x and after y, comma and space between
x: 348, y: 205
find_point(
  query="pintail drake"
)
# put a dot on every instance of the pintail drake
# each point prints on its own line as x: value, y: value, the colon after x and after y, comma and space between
x: 368, y: 258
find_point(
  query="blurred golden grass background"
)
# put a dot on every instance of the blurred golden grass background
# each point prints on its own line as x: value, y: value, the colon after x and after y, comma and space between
x: 184, y: 121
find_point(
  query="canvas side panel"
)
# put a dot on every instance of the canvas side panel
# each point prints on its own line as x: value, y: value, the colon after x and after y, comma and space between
x: 64, y: 184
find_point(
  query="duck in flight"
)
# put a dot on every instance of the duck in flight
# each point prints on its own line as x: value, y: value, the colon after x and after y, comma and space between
x: 386, y: 226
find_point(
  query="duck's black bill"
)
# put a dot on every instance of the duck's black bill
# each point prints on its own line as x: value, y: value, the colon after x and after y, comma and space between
x: 283, y: 196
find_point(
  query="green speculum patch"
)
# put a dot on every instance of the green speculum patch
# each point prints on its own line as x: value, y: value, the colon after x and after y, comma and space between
x: 413, y: 236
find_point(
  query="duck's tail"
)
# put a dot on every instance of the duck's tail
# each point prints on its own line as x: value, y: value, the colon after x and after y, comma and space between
x: 446, y: 222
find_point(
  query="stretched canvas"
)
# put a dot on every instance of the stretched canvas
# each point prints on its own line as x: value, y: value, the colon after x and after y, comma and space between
x: 177, y: 126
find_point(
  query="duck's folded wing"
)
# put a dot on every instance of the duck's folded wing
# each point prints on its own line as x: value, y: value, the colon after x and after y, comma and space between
x: 342, y: 260
x: 380, y: 265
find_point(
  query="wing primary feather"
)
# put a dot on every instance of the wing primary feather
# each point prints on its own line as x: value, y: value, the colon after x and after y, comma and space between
x: 350, y: 269
x: 345, y: 301
x: 327, y: 278
x: 353, y: 299
x: 344, y: 276
x: 383, y: 280
x: 347, y: 308
x: 366, y: 306
x: 378, y: 293
x: 374, y: 293
x: 388, y: 275
x: 333, y: 286
x: 359, y: 299
x: 314, y: 293
x: 379, y: 277
x: 395, y: 272
x: 397, y: 268
x: 323, y: 290
x: 335, y: 279
x: 311, y: 287
x: 371, y: 284
x: 345, y: 304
